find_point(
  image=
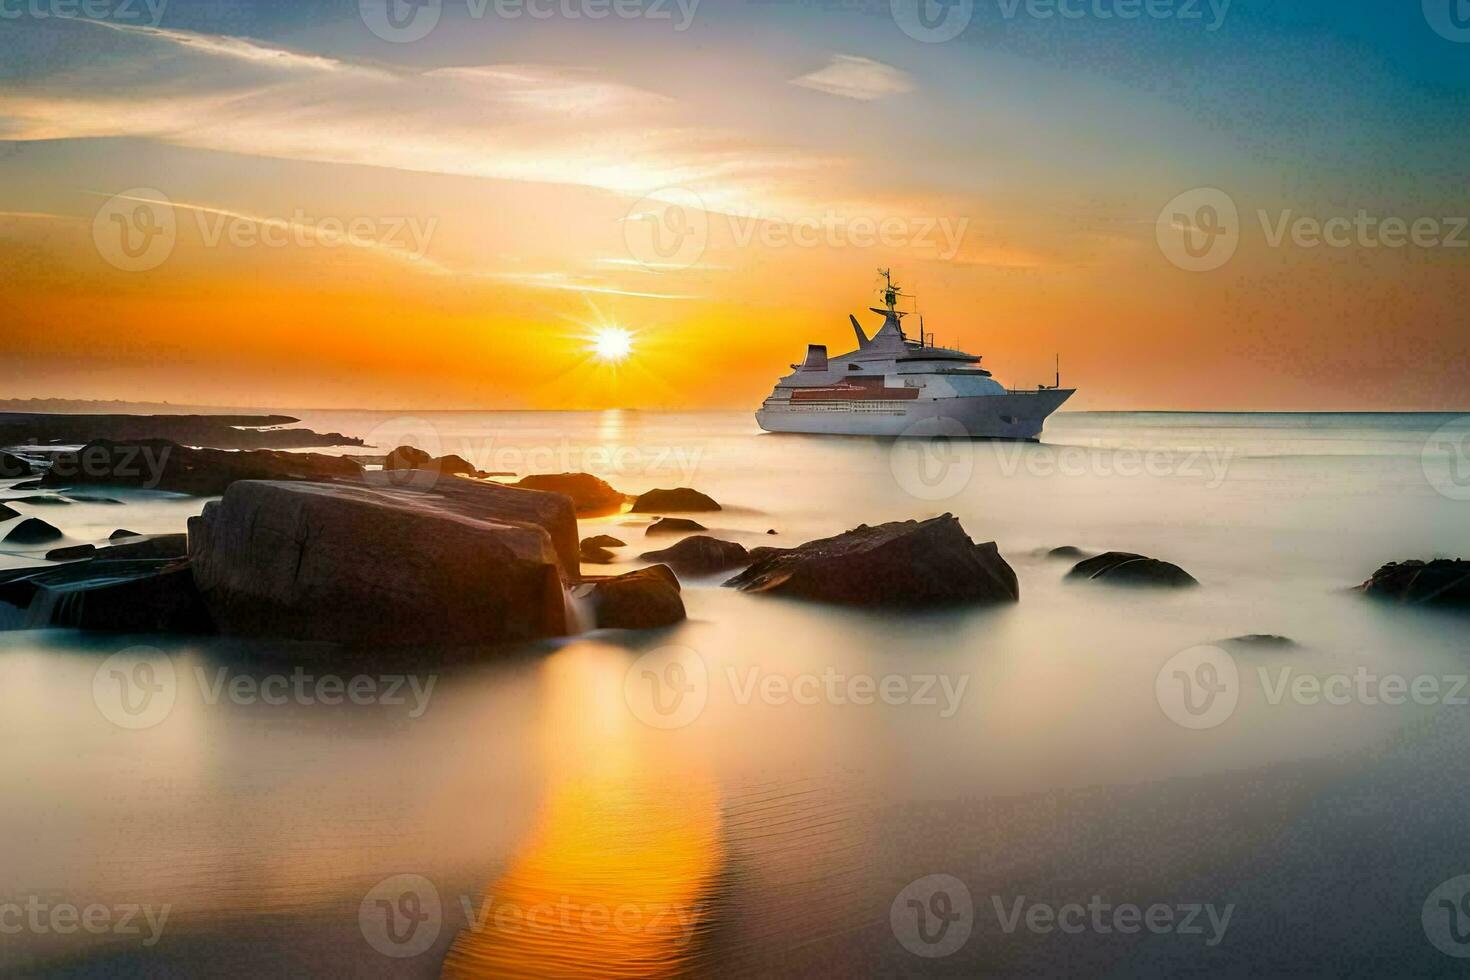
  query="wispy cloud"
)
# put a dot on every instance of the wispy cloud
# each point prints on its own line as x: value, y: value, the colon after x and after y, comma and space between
x: 857, y: 78
x: 236, y: 48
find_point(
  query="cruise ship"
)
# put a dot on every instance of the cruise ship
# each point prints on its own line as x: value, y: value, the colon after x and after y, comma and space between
x: 896, y: 386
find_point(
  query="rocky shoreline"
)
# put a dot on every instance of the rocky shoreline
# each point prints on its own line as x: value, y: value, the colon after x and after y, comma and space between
x: 302, y: 546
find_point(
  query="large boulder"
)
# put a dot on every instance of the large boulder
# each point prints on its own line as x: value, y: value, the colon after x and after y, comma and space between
x: 593, y: 497
x: 161, y: 465
x: 906, y: 564
x: 673, y: 501
x: 32, y: 530
x: 12, y: 466
x: 1441, y: 582
x: 451, y: 562
x: 700, y: 555
x: 1126, y: 568
x: 644, y: 599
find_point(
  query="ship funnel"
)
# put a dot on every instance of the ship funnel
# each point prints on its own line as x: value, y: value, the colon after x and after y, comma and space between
x: 816, y: 358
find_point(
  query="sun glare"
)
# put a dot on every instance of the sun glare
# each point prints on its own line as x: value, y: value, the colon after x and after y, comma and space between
x: 612, y: 344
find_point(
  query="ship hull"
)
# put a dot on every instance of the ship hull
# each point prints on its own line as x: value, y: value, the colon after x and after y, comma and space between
x: 1011, y: 416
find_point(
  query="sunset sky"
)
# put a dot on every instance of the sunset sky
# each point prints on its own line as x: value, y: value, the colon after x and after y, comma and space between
x: 347, y: 220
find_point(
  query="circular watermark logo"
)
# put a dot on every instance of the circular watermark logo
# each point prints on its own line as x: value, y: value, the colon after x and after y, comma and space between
x: 401, y: 915
x: 668, y: 230
x: 1199, y: 687
x: 1445, y: 459
x: 1449, y: 18
x: 933, y: 459
x: 1446, y: 917
x: 136, y: 688
x: 667, y: 687
x: 401, y: 21
x: 420, y: 437
x: 932, y: 21
x: 1199, y: 230
x: 135, y: 230
x: 933, y: 916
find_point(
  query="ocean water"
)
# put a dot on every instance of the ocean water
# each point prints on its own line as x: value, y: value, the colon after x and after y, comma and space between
x: 777, y: 788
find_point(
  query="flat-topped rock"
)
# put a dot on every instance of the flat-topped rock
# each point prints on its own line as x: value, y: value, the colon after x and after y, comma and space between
x: 451, y: 563
x: 1441, y: 582
x: 700, y: 555
x: 592, y: 496
x: 160, y: 465
x: 673, y: 501
x: 1126, y: 568
x: 907, y: 564
x: 674, y: 525
x: 593, y: 555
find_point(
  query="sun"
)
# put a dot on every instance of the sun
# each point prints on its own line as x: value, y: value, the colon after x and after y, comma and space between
x: 611, y: 344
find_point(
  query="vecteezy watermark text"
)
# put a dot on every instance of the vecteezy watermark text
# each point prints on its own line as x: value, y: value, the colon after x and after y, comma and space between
x: 36, y: 915
x: 147, y: 12
x: 670, y: 687
x: 403, y: 915
x: 406, y: 21
x: 138, y: 688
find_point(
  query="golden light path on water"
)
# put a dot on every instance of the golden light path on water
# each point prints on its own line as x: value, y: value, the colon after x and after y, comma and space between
x: 616, y: 878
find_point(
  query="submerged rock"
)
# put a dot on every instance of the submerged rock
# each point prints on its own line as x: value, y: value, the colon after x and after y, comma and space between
x: 603, y: 541
x: 40, y: 500
x: 456, y: 562
x: 72, y: 553
x: 160, y: 465
x: 87, y: 498
x: 674, y: 525
x: 1261, y: 640
x: 1069, y: 552
x: 700, y: 555
x: 12, y: 466
x: 906, y: 564
x: 1125, y: 568
x: 590, y: 495
x: 593, y: 555
x: 1441, y: 582
x: 673, y: 501
x: 644, y: 599
x: 33, y: 530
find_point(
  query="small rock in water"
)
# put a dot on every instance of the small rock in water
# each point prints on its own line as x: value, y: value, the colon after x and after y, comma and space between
x: 905, y: 564
x: 72, y: 553
x: 1069, y: 552
x: 6, y: 514
x: 673, y: 501
x: 674, y: 525
x: 39, y: 500
x: 123, y: 533
x: 1261, y: 640
x: 33, y: 530
x: 1441, y: 582
x: 701, y: 555
x: 1126, y: 568
x: 603, y: 541
x: 593, y: 555
x: 84, y: 498
x: 771, y: 531
x: 27, y: 485
x: 644, y: 599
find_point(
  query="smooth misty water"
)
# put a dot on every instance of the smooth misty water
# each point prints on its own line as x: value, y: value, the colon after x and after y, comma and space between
x: 768, y: 834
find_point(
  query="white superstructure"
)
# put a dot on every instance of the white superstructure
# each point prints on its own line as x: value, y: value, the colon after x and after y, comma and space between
x: 894, y: 386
